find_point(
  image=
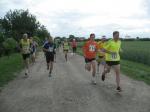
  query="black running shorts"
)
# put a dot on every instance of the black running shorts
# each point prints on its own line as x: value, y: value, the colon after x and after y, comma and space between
x: 49, y: 57
x: 25, y: 56
x: 89, y: 60
x: 112, y: 63
x: 74, y: 49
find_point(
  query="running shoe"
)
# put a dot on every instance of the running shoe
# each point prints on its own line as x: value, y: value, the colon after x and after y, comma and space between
x: 50, y: 74
x: 94, y: 80
x: 119, y: 89
x: 103, y: 77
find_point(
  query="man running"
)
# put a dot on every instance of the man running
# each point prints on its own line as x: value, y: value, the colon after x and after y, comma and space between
x: 49, y: 49
x: 74, y: 46
x: 66, y: 49
x: 100, y: 58
x: 89, y: 50
x: 112, y: 49
x: 25, y: 51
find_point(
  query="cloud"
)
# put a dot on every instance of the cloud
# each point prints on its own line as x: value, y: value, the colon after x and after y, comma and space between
x: 81, y: 17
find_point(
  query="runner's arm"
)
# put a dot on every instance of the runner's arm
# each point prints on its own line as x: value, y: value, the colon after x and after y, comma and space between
x: 107, y: 51
x: 55, y: 47
x: 106, y: 47
x: 20, y: 46
x: 45, y: 49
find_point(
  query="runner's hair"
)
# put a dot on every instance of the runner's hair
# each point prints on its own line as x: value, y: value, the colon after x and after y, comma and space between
x: 115, y: 32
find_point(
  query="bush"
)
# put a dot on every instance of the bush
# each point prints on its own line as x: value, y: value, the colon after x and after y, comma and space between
x: 9, y: 45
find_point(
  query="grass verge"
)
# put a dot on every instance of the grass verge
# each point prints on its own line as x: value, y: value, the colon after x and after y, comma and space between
x: 136, y: 70
x: 8, y: 68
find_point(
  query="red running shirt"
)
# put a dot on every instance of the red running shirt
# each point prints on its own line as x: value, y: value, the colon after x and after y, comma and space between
x: 90, y: 49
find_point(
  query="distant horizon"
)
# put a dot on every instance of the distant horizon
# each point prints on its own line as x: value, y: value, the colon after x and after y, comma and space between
x: 101, y: 37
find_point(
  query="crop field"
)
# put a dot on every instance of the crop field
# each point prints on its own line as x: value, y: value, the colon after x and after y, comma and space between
x: 137, y: 51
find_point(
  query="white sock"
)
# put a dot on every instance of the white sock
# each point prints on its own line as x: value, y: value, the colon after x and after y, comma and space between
x: 94, y: 78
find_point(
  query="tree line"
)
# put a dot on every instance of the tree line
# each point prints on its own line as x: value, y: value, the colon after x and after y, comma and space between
x: 14, y: 24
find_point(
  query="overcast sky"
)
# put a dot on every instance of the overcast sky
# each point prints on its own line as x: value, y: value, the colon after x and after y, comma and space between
x: 82, y: 17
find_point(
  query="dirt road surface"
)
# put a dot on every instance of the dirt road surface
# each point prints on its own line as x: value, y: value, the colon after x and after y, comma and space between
x: 70, y: 90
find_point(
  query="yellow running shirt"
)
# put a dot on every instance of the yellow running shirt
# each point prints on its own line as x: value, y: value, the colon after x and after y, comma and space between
x: 66, y: 46
x: 25, y: 46
x: 100, y: 46
x: 112, y: 46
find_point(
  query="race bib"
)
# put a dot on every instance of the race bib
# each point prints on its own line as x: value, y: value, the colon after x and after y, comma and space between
x: 113, y: 56
x: 50, y: 49
x: 26, y: 49
x: 92, y: 48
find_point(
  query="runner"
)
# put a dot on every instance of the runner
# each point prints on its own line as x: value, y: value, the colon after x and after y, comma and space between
x: 74, y: 46
x: 66, y: 49
x: 33, y: 48
x: 57, y: 44
x: 112, y: 49
x: 89, y: 50
x: 25, y: 51
x: 49, y: 49
x: 100, y: 58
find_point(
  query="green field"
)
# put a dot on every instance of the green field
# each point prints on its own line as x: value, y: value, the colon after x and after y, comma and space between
x: 8, y: 68
x: 135, y: 59
x: 137, y: 51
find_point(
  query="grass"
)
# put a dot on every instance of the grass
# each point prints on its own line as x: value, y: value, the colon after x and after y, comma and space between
x: 136, y: 70
x: 132, y: 69
x: 8, y: 68
x: 137, y: 51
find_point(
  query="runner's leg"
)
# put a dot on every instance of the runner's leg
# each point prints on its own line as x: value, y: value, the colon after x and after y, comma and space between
x: 47, y: 61
x: 51, y: 68
x: 88, y: 66
x: 26, y: 62
x: 93, y: 63
x: 98, y: 66
x: 117, y: 72
x: 106, y: 70
x: 55, y: 57
x: 34, y: 57
x: 66, y: 57
x: 51, y: 64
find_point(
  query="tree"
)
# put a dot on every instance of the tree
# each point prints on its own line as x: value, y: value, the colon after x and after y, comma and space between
x: 71, y: 37
x: 18, y: 22
x: 63, y: 38
x: 58, y: 38
x: 1, y: 32
x: 42, y: 32
x: 137, y: 38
